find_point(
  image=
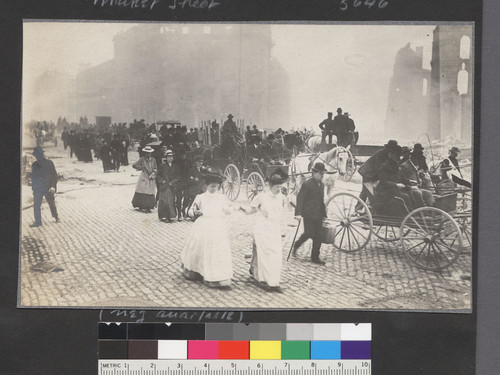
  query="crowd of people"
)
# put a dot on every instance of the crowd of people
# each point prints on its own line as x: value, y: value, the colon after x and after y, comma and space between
x: 341, y: 126
x: 395, y: 180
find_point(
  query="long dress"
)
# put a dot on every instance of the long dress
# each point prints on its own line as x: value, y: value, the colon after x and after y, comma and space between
x: 266, y: 261
x: 144, y: 197
x: 167, y: 176
x: 207, y: 252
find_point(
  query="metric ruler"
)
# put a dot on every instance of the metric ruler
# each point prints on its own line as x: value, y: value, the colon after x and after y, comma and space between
x: 234, y: 367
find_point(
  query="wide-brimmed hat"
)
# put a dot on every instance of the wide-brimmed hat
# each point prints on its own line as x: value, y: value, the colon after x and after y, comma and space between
x: 230, y: 116
x: 455, y: 149
x: 213, y: 178
x: 148, y: 149
x: 198, y: 158
x: 38, y: 151
x: 279, y: 176
x: 169, y: 153
x: 418, y: 147
x: 346, y: 113
x: 395, y: 149
x: 319, y: 167
x: 391, y: 142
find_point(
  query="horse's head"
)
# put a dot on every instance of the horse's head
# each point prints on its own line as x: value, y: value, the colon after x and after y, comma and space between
x: 342, y: 159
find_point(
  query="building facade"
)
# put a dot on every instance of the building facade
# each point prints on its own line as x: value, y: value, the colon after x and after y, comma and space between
x: 190, y: 73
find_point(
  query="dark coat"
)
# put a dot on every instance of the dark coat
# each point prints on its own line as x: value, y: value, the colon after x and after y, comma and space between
x: 196, y: 181
x: 369, y: 169
x: 43, y: 175
x: 409, y: 174
x: 311, y: 200
x: 167, y: 176
x: 339, y: 125
x: 327, y: 125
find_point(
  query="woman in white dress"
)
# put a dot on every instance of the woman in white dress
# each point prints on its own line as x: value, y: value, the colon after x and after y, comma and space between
x: 207, y: 253
x: 267, y: 253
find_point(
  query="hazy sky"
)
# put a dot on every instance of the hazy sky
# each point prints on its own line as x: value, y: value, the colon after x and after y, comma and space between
x: 330, y: 66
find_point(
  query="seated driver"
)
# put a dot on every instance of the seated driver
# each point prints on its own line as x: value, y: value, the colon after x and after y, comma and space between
x: 412, y: 176
x: 390, y: 198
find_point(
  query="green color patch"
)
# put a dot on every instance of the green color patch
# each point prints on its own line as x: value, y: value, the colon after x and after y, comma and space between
x: 295, y: 350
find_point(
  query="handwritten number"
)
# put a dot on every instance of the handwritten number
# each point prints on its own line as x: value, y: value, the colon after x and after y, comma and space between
x: 368, y: 3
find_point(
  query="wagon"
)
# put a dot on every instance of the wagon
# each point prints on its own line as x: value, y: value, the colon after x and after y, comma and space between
x: 253, y: 175
x: 430, y: 237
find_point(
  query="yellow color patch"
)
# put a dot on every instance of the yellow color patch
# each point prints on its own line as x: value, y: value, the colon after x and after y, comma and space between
x: 265, y: 349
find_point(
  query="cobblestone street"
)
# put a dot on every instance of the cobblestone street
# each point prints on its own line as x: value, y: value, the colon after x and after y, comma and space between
x: 109, y: 255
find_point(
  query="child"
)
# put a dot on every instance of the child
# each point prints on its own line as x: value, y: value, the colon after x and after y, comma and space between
x: 207, y: 253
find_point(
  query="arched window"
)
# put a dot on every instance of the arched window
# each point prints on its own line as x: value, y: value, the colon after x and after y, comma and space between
x: 463, y: 81
x: 465, y: 47
x: 425, y: 84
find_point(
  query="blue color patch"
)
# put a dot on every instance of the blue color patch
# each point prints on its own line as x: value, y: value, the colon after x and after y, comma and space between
x: 325, y: 349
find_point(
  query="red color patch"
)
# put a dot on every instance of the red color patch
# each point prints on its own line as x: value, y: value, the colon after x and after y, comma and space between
x: 234, y: 349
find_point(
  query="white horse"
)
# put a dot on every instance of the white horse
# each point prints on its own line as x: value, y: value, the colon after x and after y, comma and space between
x: 313, y: 143
x: 335, y: 161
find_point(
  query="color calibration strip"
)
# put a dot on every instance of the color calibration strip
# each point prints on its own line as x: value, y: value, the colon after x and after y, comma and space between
x: 223, y: 341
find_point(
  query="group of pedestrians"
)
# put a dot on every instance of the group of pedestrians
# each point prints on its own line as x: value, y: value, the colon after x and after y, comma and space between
x: 341, y: 126
x: 171, y: 186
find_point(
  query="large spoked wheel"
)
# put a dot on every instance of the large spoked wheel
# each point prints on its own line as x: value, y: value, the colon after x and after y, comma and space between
x: 387, y: 233
x: 349, y: 223
x: 232, y: 184
x: 431, y: 239
x: 255, y: 185
x: 350, y: 168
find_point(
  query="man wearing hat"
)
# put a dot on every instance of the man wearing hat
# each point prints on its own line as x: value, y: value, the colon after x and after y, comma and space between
x: 195, y: 184
x: 327, y: 126
x: 369, y: 169
x: 413, y: 175
x: 418, y: 157
x: 144, y: 197
x: 44, y: 184
x: 339, y: 125
x: 389, y: 198
x: 311, y: 207
x: 450, y: 164
x: 181, y: 199
x: 167, y: 178
x: 229, y: 126
x: 345, y: 134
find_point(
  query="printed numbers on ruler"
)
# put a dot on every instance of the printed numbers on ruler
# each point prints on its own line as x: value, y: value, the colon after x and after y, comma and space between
x: 234, y: 367
x: 346, y: 4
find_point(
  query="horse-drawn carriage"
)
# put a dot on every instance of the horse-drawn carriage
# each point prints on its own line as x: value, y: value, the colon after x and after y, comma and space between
x: 432, y: 238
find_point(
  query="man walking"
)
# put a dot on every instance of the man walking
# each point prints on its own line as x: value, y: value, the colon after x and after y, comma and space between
x: 311, y: 207
x: 44, y: 184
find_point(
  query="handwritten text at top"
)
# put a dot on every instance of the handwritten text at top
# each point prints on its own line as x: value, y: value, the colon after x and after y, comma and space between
x: 349, y: 4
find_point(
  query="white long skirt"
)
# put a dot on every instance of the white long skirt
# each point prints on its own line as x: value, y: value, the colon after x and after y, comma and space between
x: 267, y: 260
x: 207, y: 250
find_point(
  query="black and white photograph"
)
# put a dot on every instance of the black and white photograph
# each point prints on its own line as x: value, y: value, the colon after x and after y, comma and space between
x: 247, y: 165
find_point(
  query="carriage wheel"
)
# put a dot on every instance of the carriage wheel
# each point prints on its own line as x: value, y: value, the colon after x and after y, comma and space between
x: 232, y: 184
x: 431, y: 239
x: 350, y: 168
x: 387, y: 233
x: 347, y: 229
x: 464, y: 219
x: 255, y: 185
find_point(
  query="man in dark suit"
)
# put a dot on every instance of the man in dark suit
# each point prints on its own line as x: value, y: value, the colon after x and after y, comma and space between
x: 44, y: 184
x: 311, y: 207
